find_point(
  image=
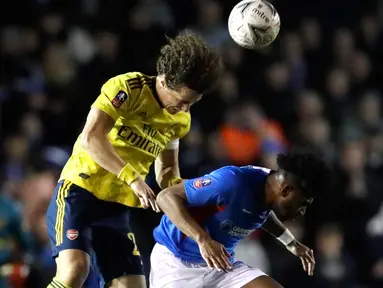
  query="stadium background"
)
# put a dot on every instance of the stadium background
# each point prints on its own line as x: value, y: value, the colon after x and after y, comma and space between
x: 319, y: 85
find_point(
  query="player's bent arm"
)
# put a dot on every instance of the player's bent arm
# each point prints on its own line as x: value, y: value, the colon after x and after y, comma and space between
x: 166, y: 166
x: 173, y: 202
x: 95, y: 141
x: 276, y: 228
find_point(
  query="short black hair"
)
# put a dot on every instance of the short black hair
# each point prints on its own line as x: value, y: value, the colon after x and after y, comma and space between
x: 313, y: 175
x: 188, y: 61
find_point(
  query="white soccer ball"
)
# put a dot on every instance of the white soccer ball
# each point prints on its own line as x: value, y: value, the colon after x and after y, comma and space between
x: 254, y: 24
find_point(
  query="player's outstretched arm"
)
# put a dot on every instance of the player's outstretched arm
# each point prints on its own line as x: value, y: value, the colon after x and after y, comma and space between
x: 173, y: 202
x: 95, y: 141
x: 166, y: 166
x: 276, y: 228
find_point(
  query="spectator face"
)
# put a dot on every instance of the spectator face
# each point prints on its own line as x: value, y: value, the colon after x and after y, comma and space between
x: 108, y: 44
x: 210, y: 13
x: 353, y: 156
x: 309, y: 105
x: 370, y: 29
x: 316, y: 132
x: 311, y: 33
x: 16, y: 148
x: 343, y: 43
x: 370, y: 109
x: 228, y: 87
x: 233, y: 55
x: 292, y: 47
x: 338, y: 84
x: 277, y: 76
x: 360, y: 67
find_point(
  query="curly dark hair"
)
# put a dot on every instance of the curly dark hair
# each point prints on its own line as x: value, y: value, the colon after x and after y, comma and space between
x: 313, y: 175
x: 188, y: 61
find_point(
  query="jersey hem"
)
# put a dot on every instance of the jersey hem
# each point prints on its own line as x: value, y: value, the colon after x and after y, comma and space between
x: 120, y: 201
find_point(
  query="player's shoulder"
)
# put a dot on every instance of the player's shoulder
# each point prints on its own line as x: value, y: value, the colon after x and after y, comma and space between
x: 230, y: 176
x: 241, y: 174
x: 228, y: 172
x: 237, y: 170
x: 254, y: 174
x: 131, y: 81
x: 252, y: 169
x: 137, y: 80
x: 242, y: 177
x: 137, y: 86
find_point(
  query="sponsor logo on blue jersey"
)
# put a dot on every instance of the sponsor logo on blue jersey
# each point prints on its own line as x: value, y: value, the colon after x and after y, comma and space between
x: 229, y: 227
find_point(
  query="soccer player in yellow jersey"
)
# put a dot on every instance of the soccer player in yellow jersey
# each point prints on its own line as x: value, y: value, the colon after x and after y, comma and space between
x: 136, y: 120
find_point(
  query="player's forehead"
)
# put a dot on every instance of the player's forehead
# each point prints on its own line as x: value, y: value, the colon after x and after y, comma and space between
x: 304, y: 194
x: 300, y: 192
x: 291, y: 180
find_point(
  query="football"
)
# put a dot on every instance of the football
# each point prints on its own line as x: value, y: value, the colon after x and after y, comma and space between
x: 254, y: 24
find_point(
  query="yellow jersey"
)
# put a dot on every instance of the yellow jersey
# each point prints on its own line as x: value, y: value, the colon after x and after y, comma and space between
x: 141, y: 132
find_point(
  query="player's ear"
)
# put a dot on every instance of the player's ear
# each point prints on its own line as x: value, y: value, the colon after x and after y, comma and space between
x: 286, y: 190
x: 162, y: 80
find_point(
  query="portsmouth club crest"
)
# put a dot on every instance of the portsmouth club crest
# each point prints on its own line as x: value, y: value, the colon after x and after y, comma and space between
x: 119, y: 99
x: 201, y: 182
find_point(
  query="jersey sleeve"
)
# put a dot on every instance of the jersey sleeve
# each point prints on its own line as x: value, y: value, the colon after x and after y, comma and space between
x: 114, y: 98
x: 216, y: 188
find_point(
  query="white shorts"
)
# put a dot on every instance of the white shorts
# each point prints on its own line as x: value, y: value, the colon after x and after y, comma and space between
x: 168, y: 271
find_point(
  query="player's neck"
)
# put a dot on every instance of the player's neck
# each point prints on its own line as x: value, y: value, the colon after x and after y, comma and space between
x: 161, y: 92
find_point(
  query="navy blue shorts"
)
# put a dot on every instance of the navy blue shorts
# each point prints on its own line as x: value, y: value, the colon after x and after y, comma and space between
x: 76, y: 219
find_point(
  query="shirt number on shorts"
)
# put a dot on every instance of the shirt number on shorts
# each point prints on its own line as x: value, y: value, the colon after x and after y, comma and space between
x: 133, y: 239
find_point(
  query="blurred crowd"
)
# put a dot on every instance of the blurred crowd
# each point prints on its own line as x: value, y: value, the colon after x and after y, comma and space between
x: 319, y: 85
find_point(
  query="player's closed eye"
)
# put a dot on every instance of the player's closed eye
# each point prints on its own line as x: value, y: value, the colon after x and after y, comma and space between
x: 183, y: 102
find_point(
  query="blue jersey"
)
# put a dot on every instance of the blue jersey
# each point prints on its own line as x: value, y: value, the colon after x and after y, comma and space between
x: 228, y: 203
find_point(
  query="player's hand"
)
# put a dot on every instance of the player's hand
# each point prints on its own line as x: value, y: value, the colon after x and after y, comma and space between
x: 305, y: 254
x: 215, y: 254
x: 145, y: 194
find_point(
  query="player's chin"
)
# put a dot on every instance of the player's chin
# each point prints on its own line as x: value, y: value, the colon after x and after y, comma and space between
x: 173, y: 110
x: 293, y: 216
x: 281, y: 215
x: 287, y: 216
x: 284, y: 218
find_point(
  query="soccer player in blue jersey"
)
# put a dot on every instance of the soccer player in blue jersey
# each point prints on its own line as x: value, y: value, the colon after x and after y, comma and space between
x: 206, y: 217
